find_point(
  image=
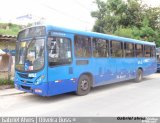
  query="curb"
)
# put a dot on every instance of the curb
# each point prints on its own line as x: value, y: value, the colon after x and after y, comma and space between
x: 9, y: 92
x: 12, y: 94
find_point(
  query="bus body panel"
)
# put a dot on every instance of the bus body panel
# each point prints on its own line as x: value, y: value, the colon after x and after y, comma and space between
x: 126, y: 70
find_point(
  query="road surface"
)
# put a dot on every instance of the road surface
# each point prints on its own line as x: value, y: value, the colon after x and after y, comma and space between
x: 121, y: 99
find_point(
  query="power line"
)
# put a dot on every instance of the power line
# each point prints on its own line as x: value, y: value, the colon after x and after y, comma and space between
x: 82, y: 5
x: 67, y: 14
x: 64, y: 13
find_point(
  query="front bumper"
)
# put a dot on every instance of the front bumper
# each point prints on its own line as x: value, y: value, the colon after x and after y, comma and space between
x: 40, y: 89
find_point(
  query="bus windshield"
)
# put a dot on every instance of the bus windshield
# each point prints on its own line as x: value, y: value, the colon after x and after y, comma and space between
x: 30, y: 55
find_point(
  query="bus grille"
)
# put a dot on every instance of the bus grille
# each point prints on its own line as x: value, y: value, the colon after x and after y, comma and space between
x: 24, y: 81
x: 25, y: 76
x: 26, y: 87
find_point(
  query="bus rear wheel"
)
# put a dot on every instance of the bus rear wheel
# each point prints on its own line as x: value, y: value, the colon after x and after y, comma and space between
x: 84, y: 85
x: 139, y: 75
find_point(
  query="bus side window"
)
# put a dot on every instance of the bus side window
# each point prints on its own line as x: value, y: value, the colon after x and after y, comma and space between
x: 59, y: 51
x: 129, y: 49
x: 116, y: 49
x: 139, y: 50
x: 82, y: 46
x: 53, y: 47
x: 147, y: 51
x: 100, y: 47
x: 153, y: 51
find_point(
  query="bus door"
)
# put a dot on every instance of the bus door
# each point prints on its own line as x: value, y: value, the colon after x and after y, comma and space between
x: 60, y: 70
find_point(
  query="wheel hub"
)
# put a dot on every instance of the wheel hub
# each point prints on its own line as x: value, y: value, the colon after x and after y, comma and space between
x: 84, y: 85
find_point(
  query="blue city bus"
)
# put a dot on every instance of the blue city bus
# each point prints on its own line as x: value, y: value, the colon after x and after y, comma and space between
x: 53, y: 60
x: 158, y: 58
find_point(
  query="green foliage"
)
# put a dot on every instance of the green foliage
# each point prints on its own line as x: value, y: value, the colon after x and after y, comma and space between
x: 125, y: 32
x: 6, y: 82
x: 130, y: 18
x: 9, y: 29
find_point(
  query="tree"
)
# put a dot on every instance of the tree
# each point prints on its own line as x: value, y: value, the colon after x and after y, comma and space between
x: 130, y: 18
x: 100, y: 15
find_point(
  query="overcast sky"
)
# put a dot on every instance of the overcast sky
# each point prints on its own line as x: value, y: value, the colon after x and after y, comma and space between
x: 67, y: 13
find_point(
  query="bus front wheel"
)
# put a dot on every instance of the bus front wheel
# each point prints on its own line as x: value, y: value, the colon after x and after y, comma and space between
x: 84, y: 85
x: 139, y: 75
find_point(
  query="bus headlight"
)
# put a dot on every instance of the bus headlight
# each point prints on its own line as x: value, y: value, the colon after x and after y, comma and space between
x: 39, y: 80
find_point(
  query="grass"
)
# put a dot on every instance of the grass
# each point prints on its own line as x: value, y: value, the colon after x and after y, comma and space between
x: 6, y: 82
x: 9, y: 29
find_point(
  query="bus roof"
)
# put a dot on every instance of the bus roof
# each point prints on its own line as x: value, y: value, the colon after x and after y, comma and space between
x: 95, y: 34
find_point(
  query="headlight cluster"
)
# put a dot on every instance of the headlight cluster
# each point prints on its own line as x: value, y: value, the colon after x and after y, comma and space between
x: 39, y: 80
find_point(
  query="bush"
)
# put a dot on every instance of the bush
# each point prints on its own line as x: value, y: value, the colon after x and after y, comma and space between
x: 9, y: 29
x: 6, y: 82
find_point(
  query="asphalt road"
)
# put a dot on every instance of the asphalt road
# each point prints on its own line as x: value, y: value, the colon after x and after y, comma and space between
x: 120, y: 99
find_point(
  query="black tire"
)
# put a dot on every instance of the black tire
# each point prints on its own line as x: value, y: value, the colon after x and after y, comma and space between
x: 139, y: 76
x: 84, y: 85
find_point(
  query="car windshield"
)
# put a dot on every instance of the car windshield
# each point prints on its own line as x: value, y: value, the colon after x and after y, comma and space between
x: 30, y: 55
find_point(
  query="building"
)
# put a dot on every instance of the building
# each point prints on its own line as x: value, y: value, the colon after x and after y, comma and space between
x: 7, y: 43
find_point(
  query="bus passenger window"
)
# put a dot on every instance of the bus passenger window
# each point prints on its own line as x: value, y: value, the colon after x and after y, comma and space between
x: 129, y: 50
x: 100, y: 47
x: 139, y: 50
x: 147, y: 51
x: 59, y: 51
x: 82, y: 46
x: 54, y: 48
x: 116, y: 49
x: 153, y: 52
